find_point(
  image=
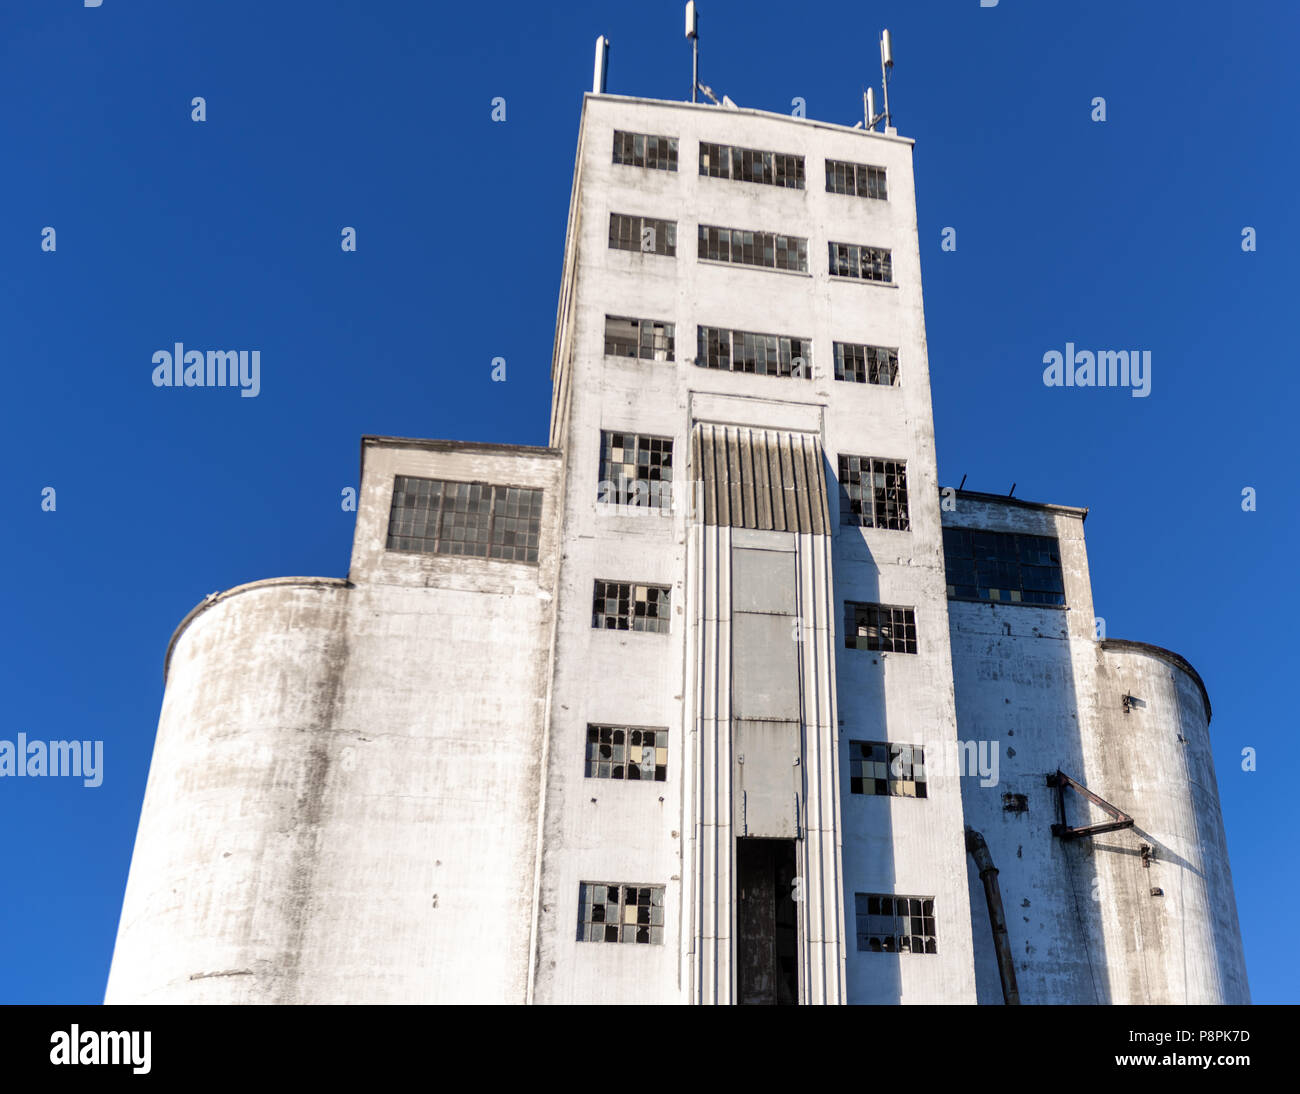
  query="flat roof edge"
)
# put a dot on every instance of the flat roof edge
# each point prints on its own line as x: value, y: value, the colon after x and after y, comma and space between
x: 1002, y: 499
x: 437, y: 445
x: 748, y: 110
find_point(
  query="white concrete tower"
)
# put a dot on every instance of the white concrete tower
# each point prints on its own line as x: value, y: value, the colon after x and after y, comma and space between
x: 741, y: 338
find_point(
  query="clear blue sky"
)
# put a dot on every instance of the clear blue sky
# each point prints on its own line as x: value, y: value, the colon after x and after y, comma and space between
x: 377, y: 115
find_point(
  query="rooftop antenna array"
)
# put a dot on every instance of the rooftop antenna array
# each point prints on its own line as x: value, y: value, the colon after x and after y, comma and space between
x: 869, y: 115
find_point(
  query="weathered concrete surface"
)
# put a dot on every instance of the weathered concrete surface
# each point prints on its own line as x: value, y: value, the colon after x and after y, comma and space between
x: 1083, y: 923
x: 343, y: 800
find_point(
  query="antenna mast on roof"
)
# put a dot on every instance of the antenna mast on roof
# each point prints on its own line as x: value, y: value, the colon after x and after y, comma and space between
x: 602, y: 66
x: 886, y: 63
x: 693, y: 33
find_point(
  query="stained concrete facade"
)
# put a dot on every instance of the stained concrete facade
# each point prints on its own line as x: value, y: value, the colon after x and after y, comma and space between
x: 378, y: 789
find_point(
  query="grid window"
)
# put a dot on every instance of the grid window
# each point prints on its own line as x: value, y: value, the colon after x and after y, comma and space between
x: 860, y: 364
x: 861, y: 262
x: 878, y: 767
x: 858, y: 179
x: 1005, y: 567
x: 636, y: 470
x: 645, y: 150
x: 627, y: 752
x: 879, y: 627
x: 610, y: 911
x: 473, y: 519
x: 721, y: 161
x: 747, y: 351
x: 648, y: 339
x: 895, y: 924
x: 644, y: 234
x: 745, y: 248
x: 624, y: 606
x: 875, y: 493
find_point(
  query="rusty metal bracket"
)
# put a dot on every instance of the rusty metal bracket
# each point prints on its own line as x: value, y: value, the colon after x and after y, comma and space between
x: 1060, y: 780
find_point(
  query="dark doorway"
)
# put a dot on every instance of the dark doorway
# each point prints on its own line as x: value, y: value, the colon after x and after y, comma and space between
x: 767, y: 922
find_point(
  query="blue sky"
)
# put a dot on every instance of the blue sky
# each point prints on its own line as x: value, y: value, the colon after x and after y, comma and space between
x: 1119, y: 234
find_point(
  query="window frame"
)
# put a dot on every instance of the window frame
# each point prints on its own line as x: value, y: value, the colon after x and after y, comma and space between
x: 654, y: 934
x: 629, y: 241
x: 874, y: 176
x: 863, y: 916
x: 498, y: 505
x: 852, y: 624
x: 845, y: 356
x: 658, y: 772
x: 882, y: 465
x: 665, y: 158
x: 894, y: 757
x: 659, y: 489
x: 605, y: 589
x: 1059, y: 601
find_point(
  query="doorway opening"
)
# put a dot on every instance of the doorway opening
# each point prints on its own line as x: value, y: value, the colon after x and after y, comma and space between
x: 767, y: 922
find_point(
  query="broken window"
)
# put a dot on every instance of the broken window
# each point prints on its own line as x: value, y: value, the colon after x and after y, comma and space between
x: 858, y: 179
x: 865, y: 364
x: 623, y: 606
x: 616, y: 912
x: 746, y: 351
x: 1005, y: 567
x: 627, y: 752
x: 874, y: 493
x: 886, y: 769
x: 648, y: 339
x: 895, y: 924
x: 636, y: 470
x: 645, y: 150
x: 721, y: 161
x: 861, y: 262
x: 644, y: 234
x: 475, y: 519
x: 746, y: 248
x: 879, y: 627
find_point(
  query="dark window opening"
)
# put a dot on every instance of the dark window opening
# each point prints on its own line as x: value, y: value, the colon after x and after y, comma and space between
x: 645, y: 150
x: 886, y: 769
x: 644, y: 234
x: 635, y: 470
x: 630, y: 753
x: 873, y: 493
x: 856, y: 179
x: 882, y: 627
x: 472, y: 519
x: 860, y: 364
x: 895, y: 924
x: 1003, y: 567
x: 623, y: 606
x: 618, y: 912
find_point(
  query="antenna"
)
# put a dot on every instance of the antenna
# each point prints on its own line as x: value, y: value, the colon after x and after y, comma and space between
x: 886, y: 63
x: 693, y: 33
x: 869, y: 108
x: 602, y: 66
